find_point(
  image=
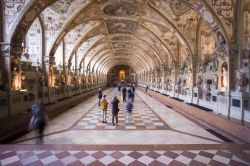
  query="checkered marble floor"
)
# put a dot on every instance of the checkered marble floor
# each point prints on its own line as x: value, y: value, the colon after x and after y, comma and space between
x: 144, y: 117
x: 120, y: 158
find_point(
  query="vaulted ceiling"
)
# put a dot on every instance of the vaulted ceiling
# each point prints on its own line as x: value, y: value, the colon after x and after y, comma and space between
x: 144, y: 34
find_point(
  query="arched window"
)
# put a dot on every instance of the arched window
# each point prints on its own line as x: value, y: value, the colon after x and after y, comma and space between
x: 33, y: 44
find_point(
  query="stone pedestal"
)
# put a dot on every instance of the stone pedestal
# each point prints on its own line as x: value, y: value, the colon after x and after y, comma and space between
x: 214, y: 101
x: 195, y: 96
x: 20, y: 102
x: 223, y: 103
x: 240, y: 106
x: 189, y: 95
x: 52, y: 95
x: 4, y: 111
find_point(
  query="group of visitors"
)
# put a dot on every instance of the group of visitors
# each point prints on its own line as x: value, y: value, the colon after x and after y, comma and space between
x: 130, y: 91
x: 127, y: 97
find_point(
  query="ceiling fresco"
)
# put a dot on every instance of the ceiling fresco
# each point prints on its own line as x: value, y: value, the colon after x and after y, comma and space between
x: 120, y: 9
x: 153, y: 31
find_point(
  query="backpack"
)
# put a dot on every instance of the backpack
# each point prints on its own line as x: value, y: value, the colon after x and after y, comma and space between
x: 104, y: 105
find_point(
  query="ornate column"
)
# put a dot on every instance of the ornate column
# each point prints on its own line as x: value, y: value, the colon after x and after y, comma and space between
x: 10, y: 77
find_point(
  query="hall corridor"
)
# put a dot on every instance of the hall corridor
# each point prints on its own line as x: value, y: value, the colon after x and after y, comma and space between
x: 158, y: 135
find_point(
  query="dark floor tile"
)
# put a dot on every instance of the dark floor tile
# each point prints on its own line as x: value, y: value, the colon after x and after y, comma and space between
x: 137, y: 163
x: 153, y: 155
x: 116, y: 163
x: 171, y: 154
x: 176, y: 163
x: 156, y: 163
x: 135, y: 155
x: 196, y: 163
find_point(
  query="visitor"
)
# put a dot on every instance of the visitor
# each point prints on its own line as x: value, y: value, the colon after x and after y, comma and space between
x: 146, y: 89
x: 39, y: 118
x: 99, y: 97
x: 124, y: 92
x: 115, y: 110
x: 104, y: 107
x: 130, y: 95
x: 128, y: 109
x: 133, y: 88
x: 119, y: 86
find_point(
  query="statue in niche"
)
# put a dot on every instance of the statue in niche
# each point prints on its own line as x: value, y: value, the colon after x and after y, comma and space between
x: 224, y: 78
x: 83, y: 79
x: 89, y: 78
x: 190, y: 78
x: 51, y: 76
x: 79, y: 79
x: 69, y: 77
x: 215, y: 82
x: 15, y: 79
x: 42, y: 80
x: 62, y: 78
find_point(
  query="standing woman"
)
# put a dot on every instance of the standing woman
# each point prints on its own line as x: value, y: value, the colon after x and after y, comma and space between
x: 104, y: 108
x: 115, y: 110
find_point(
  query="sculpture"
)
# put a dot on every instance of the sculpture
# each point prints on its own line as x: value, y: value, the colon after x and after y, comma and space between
x: 15, y: 80
x: 69, y: 78
x: 42, y: 80
x: 224, y: 77
x: 215, y: 82
x: 51, y: 76
x: 190, y: 78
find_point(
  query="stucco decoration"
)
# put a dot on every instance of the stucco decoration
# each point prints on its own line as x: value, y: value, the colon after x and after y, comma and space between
x: 12, y: 9
x: 208, y: 43
x: 225, y: 10
x: 55, y: 17
x: 222, y: 48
